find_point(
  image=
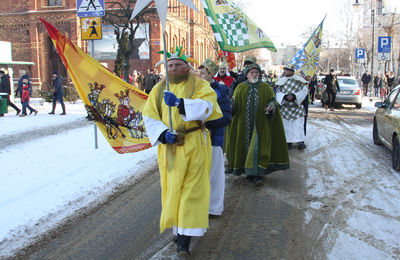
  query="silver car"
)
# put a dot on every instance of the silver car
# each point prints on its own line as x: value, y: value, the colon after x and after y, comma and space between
x: 386, y: 129
x: 350, y: 92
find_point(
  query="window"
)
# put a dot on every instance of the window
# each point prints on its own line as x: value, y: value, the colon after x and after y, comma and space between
x: 55, y: 3
x: 347, y: 81
x: 390, y: 99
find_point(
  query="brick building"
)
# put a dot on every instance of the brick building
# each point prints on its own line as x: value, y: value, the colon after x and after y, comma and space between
x: 20, y: 25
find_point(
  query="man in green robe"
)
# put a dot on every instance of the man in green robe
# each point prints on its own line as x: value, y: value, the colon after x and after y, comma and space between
x: 256, y: 143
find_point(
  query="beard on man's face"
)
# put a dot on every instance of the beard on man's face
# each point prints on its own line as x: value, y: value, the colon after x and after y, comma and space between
x: 178, y: 78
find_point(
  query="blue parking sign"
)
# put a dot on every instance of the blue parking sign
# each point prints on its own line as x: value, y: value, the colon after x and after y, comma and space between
x: 360, y: 53
x: 90, y: 8
x: 384, y: 44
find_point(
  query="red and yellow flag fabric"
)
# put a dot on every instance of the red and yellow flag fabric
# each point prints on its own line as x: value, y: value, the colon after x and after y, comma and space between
x: 115, y: 105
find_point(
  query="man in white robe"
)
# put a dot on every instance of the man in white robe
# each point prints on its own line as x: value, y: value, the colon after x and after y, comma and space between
x: 291, y: 90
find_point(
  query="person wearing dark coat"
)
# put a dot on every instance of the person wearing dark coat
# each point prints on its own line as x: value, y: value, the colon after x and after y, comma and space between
x: 312, y: 85
x: 217, y: 129
x: 5, y: 87
x: 365, y: 79
x: 58, y: 93
x: 332, y: 86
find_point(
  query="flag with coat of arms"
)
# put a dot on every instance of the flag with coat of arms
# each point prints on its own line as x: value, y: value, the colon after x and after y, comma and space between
x: 115, y: 105
x: 233, y: 29
x: 307, y: 58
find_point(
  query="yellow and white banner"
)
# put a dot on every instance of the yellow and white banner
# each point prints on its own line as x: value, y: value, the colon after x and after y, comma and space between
x: 115, y: 105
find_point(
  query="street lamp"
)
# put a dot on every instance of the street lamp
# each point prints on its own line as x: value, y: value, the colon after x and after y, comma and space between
x: 356, y: 7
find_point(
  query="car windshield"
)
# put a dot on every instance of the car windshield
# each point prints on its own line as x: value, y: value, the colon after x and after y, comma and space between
x: 347, y: 81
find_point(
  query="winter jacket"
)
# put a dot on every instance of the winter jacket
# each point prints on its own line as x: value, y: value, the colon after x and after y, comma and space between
x: 366, y: 78
x: 58, y: 87
x: 332, y: 84
x: 5, y: 84
x: 18, y: 92
x: 149, y: 81
x: 25, y: 93
x: 227, y: 81
x: 217, y: 127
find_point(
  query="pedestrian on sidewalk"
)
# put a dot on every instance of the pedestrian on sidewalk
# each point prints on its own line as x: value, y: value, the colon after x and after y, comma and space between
x: 25, y: 97
x: 312, y: 85
x: 378, y: 85
x: 184, y: 155
x: 332, y: 87
x: 58, y: 93
x: 217, y: 129
x: 5, y: 87
x: 256, y: 143
x: 365, y: 79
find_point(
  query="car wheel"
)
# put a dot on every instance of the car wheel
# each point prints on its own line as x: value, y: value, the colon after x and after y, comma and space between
x: 358, y: 105
x: 396, y: 154
x: 375, y: 135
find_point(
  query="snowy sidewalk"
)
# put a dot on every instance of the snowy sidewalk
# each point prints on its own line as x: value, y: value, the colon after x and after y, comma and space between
x: 48, y: 179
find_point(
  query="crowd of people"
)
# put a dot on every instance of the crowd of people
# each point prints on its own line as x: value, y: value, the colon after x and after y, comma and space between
x: 382, y: 83
x: 211, y: 115
x: 251, y: 117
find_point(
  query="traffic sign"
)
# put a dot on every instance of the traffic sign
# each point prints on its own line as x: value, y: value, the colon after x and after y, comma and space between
x: 360, y: 53
x: 91, y: 28
x: 90, y: 8
x: 384, y: 44
x: 383, y: 56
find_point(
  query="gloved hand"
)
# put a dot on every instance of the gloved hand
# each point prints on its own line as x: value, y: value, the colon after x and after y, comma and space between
x: 170, y: 137
x: 170, y: 99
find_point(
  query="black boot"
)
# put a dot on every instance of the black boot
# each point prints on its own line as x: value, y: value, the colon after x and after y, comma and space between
x: 183, y: 245
x: 63, y: 109
x: 301, y: 146
x: 53, y: 109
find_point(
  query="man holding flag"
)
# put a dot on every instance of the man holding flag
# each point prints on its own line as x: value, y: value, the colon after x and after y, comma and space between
x: 184, y: 156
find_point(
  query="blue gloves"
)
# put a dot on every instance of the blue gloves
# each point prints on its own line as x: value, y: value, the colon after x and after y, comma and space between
x: 170, y: 99
x: 170, y: 137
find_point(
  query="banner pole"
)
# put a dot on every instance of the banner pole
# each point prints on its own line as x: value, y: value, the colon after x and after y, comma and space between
x: 96, y: 145
x: 166, y: 77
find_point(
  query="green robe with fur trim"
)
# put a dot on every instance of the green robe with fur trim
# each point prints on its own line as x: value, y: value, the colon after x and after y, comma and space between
x: 255, y: 143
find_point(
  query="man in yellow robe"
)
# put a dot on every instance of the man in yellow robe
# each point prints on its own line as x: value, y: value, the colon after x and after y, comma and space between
x: 184, y: 156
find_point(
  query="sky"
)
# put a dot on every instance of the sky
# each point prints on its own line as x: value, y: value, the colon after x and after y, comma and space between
x: 39, y: 188
x: 285, y: 20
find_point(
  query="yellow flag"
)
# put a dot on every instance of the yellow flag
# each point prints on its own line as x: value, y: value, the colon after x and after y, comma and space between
x: 115, y: 105
x: 307, y: 58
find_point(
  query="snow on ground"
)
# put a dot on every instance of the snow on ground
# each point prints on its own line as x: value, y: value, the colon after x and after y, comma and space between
x: 48, y: 179
x: 361, y: 191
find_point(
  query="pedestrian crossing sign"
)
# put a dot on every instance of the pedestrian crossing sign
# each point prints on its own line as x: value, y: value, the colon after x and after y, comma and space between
x: 91, y: 28
x: 89, y: 8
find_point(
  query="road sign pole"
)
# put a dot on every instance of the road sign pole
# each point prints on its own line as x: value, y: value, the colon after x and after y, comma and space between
x: 96, y: 145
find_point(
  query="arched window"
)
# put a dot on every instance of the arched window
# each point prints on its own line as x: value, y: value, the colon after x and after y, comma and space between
x: 184, y: 44
x: 201, y: 52
x: 196, y: 51
x: 174, y: 42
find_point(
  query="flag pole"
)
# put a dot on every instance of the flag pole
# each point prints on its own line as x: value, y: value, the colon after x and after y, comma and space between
x: 166, y: 77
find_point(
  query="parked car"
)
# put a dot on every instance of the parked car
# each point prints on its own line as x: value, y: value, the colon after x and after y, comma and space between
x: 386, y: 127
x: 350, y: 92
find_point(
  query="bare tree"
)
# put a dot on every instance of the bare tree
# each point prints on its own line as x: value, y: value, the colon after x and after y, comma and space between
x: 118, y: 15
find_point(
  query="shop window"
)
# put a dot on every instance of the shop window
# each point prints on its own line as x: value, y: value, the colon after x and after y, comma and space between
x: 54, y: 2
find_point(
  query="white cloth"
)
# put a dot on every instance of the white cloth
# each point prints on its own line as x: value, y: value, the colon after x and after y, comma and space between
x: 195, y: 110
x: 217, y: 181
x: 193, y: 232
x: 294, y: 130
